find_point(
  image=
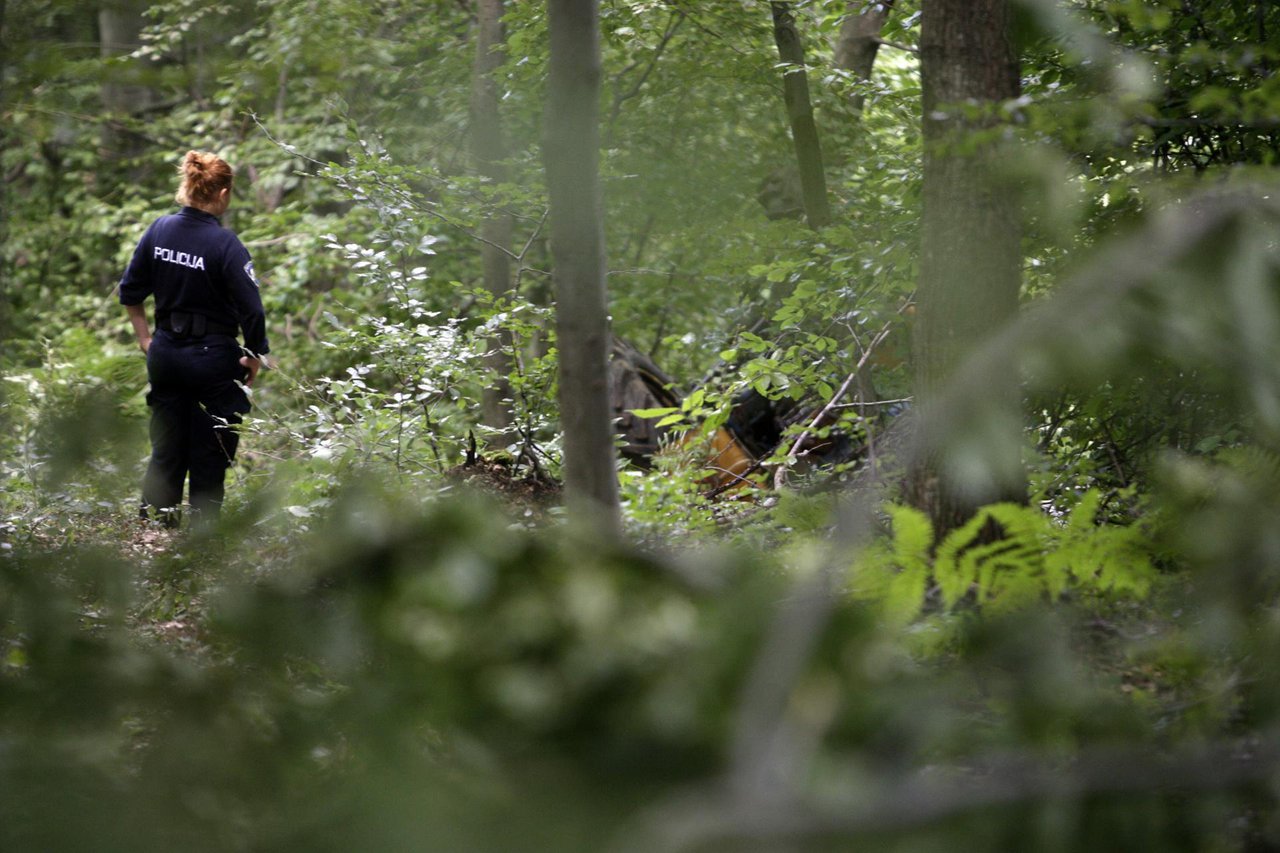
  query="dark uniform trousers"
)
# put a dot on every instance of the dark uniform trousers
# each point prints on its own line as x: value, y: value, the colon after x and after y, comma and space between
x: 196, y: 407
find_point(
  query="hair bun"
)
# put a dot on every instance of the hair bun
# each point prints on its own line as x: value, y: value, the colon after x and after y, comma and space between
x: 204, y: 175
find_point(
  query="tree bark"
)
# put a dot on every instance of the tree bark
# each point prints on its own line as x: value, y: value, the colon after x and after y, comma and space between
x: 859, y: 42
x: 571, y: 152
x: 970, y: 264
x: 489, y: 152
x: 856, y: 49
x: 123, y: 93
x: 5, y: 133
x: 804, y: 132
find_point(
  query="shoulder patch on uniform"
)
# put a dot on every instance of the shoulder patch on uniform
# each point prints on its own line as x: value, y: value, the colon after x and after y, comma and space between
x: 248, y: 270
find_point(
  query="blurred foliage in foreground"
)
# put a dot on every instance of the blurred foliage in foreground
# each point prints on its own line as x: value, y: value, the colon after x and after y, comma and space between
x: 436, y: 677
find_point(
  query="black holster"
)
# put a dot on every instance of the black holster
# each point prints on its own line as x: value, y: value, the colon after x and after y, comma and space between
x: 186, y: 325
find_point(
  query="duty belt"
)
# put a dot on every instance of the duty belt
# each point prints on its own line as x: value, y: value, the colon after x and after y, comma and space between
x: 187, y: 325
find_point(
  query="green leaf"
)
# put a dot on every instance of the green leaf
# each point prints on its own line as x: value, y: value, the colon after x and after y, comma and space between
x: 654, y: 413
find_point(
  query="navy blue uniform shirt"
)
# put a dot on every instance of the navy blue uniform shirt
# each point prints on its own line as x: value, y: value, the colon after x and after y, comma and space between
x: 190, y: 263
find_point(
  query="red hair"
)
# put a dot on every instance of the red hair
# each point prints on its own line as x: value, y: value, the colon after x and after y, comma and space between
x: 204, y: 175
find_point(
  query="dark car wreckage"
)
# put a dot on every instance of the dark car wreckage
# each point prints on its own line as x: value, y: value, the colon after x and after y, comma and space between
x: 733, y: 454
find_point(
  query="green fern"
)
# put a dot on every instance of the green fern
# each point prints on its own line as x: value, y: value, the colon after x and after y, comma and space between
x: 895, y: 572
x: 1259, y: 464
x: 1036, y: 557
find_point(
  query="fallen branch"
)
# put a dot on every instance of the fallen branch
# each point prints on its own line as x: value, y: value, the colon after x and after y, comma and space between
x: 780, y: 473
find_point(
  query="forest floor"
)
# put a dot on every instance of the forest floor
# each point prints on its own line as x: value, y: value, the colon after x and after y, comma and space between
x: 522, y: 493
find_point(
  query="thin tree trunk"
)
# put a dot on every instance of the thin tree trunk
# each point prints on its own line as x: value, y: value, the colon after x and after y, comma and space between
x: 571, y: 153
x: 5, y: 141
x: 856, y: 49
x: 971, y: 262
x: 119, y: 28
x: 489, y: 152
x: 804, y: 133
x: 859, y: 42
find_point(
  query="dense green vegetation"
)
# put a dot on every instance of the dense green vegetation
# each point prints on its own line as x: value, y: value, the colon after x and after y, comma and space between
x: 398, y: 638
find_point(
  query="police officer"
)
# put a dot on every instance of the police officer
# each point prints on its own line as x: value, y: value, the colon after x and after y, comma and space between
x: 205, y: 293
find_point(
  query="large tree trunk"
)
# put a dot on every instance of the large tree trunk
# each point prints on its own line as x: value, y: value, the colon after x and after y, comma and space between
x: 804, y: 132
x: 489, y: 151
x: 571, y: 153
x: 971, y: 263
x: 859, y: 42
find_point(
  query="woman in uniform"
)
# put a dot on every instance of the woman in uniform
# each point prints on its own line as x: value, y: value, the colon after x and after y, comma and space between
x: 202, y: 279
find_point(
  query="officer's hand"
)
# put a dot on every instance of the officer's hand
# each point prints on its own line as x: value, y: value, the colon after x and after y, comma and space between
x: 144, y: 344
x: 252, y: 365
